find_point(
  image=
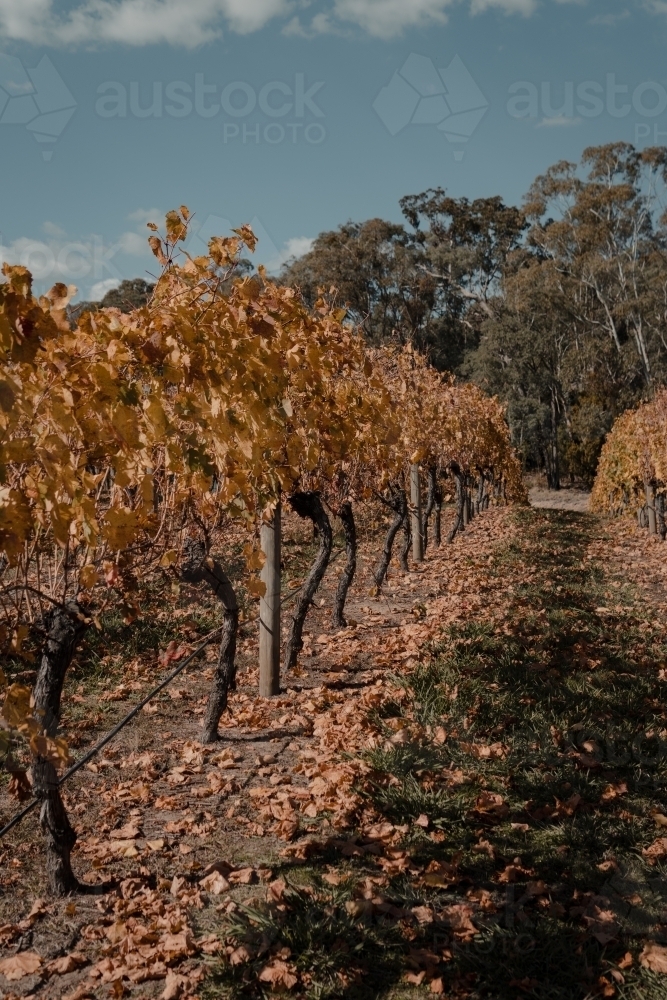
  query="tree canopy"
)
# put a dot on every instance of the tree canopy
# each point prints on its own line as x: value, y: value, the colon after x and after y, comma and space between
x: 558, y: 306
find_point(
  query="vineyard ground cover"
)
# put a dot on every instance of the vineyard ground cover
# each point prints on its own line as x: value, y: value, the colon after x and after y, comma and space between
x: 440, y: 792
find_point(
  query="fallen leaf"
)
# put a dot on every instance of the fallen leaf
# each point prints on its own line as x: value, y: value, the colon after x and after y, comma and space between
x: 215, y: 883
x: 654, y: 957
x: 26, y: 963
x: 658, y: 849
x: 244, y: 876
x: 173, y: 986
x: 68, y: 963
x: 279, y: 974
x: 130, y: 831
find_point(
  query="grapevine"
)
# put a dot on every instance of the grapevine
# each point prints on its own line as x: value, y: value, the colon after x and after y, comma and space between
x: 130, y: 443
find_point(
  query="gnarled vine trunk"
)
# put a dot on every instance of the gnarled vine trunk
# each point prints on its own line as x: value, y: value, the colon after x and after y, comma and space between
x: 660, y: 513
x: 398, y: 503
x: 407, y: 543
x: 649, y: 490
x: 465, y: 503
x: 308, y: 504
x: 199, y: 567
x: 437, y: 516
x: 346, y: 514
x: 65, y: 627
x: 479, y: 504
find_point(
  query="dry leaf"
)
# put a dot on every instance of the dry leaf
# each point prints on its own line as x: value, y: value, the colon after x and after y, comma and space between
x: 26, y: 963
x: 215, y: 883
x: 654, y: 957
x: 279, y: 974
x: 68, y: 963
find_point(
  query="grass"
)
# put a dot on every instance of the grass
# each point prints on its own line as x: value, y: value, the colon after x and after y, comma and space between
x: 317, y: 930
x: 568, y: 698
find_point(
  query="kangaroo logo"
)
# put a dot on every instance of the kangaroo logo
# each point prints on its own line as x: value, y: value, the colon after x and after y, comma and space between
x: 37, y: 98
x: 420, y: 94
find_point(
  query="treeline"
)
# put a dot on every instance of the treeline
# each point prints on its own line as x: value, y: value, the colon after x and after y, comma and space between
x: 559, y: 306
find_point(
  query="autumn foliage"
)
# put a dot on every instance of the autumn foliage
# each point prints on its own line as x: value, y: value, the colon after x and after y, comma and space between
x: 121, y: 435
x: 634, y: 456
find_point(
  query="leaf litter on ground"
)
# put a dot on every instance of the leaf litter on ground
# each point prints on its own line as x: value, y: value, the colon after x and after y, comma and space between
x: 477, y: 813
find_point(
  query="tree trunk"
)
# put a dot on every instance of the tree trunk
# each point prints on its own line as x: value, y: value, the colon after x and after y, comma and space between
x: 555, y: 462
x: 198, y: 567
x: 398, y: 503
x: 308, y: 505
x: 65, y: 627
x: 432, y: 480
x: 346, y: 514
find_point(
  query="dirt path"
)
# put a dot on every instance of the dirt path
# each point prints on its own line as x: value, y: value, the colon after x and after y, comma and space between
x: 574, y: 500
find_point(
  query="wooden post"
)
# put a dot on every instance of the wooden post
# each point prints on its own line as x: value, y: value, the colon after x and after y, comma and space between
x: 269, y: 609
x: 660, y: 513
x: 416, y: 500
x: 650, y: 509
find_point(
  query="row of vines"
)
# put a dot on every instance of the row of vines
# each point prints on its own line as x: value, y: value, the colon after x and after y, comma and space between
x: 632, y: 474
x: 131, y: 445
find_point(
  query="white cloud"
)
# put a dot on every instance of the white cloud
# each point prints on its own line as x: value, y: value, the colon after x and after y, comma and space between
x: 55, y: 260
x: 146, y: 215
x: 100, y: 288
x: 51, y: 229
x: 321, y: 24
x: 192, y: 23
x: 295, y: 29
x: 134, y: 244
x: 610, y: 20
x: 525, y: 7
x: 388, y: 18
x: 134, y: 22
x: 82, y: 261
x: 296, y: 247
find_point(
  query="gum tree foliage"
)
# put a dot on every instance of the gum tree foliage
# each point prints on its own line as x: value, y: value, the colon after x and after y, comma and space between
x: 558, y: 306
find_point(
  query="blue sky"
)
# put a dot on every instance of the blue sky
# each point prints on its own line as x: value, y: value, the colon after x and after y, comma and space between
x: 296, y: 115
